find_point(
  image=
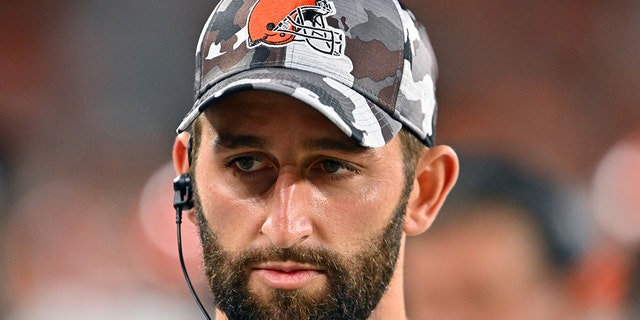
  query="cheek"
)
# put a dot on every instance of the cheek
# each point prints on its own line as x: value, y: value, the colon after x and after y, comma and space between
x: 232, y: 219
x: 361, y: 214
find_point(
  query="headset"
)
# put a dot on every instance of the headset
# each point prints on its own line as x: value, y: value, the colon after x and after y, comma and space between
x: 183, y: 200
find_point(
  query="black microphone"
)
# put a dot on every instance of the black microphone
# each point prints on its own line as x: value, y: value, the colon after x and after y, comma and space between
x: 183, y: 200
x: 183, y: 196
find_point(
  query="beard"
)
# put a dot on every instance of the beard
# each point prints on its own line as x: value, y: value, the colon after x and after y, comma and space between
x: 355, y: 284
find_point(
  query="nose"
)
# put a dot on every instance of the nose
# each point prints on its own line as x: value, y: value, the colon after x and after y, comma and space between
x: 288, y: 221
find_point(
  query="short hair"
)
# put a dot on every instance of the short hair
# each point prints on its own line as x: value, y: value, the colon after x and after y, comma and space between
x: 488, y: 179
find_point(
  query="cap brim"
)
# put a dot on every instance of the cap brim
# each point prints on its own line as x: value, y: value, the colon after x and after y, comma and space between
x: 356, y: 116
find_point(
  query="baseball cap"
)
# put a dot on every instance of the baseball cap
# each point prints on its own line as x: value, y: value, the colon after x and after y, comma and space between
x: 367, y: 65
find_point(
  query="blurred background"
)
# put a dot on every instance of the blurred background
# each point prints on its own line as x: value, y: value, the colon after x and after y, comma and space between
x: 91, y: 93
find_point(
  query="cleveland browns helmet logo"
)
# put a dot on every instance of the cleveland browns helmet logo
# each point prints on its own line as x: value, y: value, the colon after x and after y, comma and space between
x: 282, y: 22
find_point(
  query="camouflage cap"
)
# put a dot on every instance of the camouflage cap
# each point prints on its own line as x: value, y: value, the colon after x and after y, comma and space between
x: 367, y: 65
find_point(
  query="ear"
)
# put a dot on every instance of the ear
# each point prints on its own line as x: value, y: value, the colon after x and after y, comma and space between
x: 181, y: 153
x: 182, y: 165
x: 436, y: 173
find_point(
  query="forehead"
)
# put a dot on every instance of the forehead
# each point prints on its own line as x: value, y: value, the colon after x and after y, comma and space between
x: 255, y: 109
x: 267, y: 115
x: 265, y: 119
x: 233, y: 113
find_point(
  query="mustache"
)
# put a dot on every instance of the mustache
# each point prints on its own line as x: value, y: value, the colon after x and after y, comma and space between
x: 319, y: 257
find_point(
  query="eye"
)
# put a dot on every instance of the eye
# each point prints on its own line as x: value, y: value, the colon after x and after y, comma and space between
x: 331, y: 166
x: 336, y: 167
x: 247, y: 163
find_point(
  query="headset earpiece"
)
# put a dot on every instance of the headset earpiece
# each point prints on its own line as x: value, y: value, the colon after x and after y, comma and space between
x: 183, y: 196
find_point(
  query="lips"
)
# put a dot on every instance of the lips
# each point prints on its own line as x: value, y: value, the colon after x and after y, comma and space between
x: 287, y: 275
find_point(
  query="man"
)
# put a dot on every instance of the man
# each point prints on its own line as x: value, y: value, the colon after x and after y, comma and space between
x: 312, y: 156
x: 502, y: 249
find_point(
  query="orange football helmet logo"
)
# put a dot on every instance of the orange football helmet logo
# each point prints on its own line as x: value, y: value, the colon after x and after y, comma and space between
x: 278, y: 23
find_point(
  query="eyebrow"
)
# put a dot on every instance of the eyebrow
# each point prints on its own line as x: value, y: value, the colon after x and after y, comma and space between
x: 345, y: 146
x: 229, y: 142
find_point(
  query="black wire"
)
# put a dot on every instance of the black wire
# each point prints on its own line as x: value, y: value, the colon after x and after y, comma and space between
x: 184, y: 268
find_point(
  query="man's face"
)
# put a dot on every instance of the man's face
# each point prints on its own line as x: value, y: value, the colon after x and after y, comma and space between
x: 488, y: 264
x: 296, y: 220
